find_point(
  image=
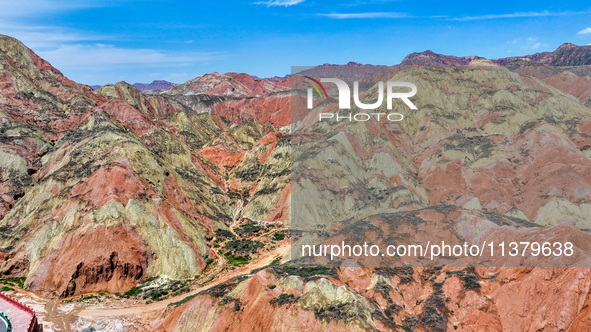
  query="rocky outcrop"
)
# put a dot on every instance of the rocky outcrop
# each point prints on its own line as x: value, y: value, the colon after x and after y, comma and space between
x: 430, y: 58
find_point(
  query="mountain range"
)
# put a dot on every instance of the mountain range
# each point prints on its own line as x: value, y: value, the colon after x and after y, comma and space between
x: 171, y: 210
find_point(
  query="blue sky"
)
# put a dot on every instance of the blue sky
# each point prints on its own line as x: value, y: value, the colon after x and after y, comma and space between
x: 98, y: 42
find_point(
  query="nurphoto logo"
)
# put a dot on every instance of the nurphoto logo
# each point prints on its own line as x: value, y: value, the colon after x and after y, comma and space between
x: 344, y: 98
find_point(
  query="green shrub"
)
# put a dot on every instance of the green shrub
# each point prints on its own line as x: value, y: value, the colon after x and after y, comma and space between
x: 132, y: 292
x: 148, y: 280
x: 241, y: 247
x: 383, y: 288
x: 304, y: 271
x: 224, y: 233
x: 18, y: 282
x: 248, y: 229
x: 471, y: 282
x: 185, y: 300
x: 237, y: 260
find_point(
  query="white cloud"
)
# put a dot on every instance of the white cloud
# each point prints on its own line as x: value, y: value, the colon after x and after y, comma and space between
x: 98, y: 56
x: 284, y: 3
x: 342, y: 16
x: 529, y: 43
x: 33, y: 8
x: 514, y: 15
x: 86, y: 56
x: 44, y: 37
x: 584, y: 31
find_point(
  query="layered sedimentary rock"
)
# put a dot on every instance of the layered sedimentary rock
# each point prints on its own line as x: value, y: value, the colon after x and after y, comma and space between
x: 487, y: 147
x: 395, y: 299
x: 103, y: 189
x: 430, y: 58
x: 229, y: 84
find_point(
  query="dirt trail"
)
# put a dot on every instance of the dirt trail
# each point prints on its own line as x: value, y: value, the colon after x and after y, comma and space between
x: 61, y: 320
x: 61, y: 315
x: 262, y: 261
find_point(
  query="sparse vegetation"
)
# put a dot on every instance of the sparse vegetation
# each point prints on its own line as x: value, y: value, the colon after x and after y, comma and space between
x: 237, y: 260
x: 252, y: 171
x: 83, y: 298
x: 132, y: 292
x: 248, y: 229
x: 434, y: 319
x: 17, y: 282
x: 157, y: 289
x: 266, y: 191
x: 284, y: 298
x: 185, y: 300
x: 278, y: 236
x: 471, y: 282
x: 410, y: 322
x: 242, y: 247
x: 383, y: 288
x: 404, y: 273
x: 391, y: 310
x: 340, y: 311
x: 223, y: 289
x: 306, y: 272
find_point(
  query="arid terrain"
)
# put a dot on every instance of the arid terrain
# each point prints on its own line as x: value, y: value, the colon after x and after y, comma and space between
x: 170, y: 209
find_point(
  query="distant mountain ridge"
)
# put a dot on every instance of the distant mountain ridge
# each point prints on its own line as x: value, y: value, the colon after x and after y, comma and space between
x: 567, y: 54
x: 229, y: 84
x: 155, y: 85
x: 240, y: 85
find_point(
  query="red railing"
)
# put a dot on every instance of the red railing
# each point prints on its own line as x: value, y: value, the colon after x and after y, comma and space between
x: 23, y: 307
x: 33, y: 324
